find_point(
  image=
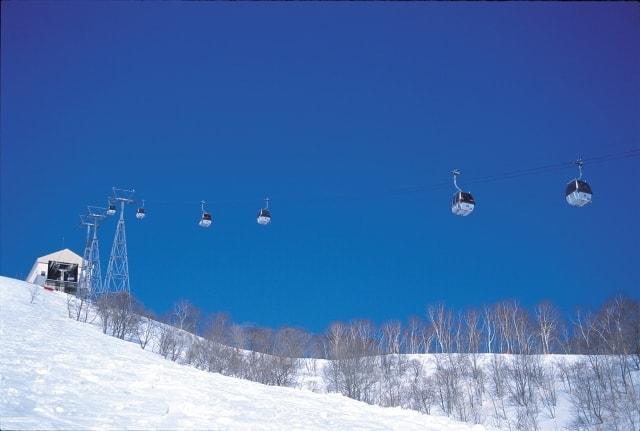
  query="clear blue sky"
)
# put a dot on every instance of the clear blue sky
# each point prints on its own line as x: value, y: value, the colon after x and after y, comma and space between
x: 308, y: 102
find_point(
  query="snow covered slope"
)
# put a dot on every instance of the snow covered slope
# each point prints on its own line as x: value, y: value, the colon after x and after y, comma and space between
x: 56, y: 373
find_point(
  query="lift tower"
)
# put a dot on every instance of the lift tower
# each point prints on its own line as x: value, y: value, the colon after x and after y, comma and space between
x: 117, y: 279
x: 91, y: 274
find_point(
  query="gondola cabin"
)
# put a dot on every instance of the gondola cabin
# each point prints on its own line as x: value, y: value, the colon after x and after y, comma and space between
x: 462, y: 203
x: 264, y: 217
x: 578, y: 193
x: 206, y: 220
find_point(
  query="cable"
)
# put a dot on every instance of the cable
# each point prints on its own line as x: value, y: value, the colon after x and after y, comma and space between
x: 398, y: 191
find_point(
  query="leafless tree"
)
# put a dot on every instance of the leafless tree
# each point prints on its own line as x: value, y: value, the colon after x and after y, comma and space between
x: 472, y: 322
x: 498, y: 388
x: 548, y: 393
x: 289, y: 346
x: 448, y: 378
x: 238, y: 337
x: 428, y: 337
x: 79, y: 306
x: 185, y: 316
x: 442, y: 323
x: 291, y: 342
x: 394, y: 372
x: 490, y: 327
x: 422, y: 395
x: 512, y: 328
x: 548, y: 326
x: 336, y: 340
x: 588, y: 395
x: 523, y: 372
x: 262, y: 362
x: 117, y: 311
x: 147, y: 328
x: 617, y: 326
x: 352, y: 370
x: 318, y: 346
x: 171, y: 342
x: 218, y: 328
x: 474, y: 373
x: 413, y: 335
x: 507, y: 315
x: 390, y: 339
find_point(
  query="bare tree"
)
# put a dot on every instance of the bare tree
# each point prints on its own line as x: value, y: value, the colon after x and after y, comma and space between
x: 472, y: 321
x: 548, y: 325
x: 390, y: 339
x: 422, y: 395
x: 427, y: 340
x: 490, y: 327
x: 78, y: 306
x: 352, y: 368
x: 476, y: 381
x: 117, y: 311
x: 185, y: 316
x: 587, y: 395
x: 394, y: 372
x: 317, y: 346
x: 171, y: 342
x: 503, y: 313
x: 291, y: 342
x: 413, y: 335
x: 147, y: 328
x: 289, y: 346
x: 548, y: 394
x: 265, y: 361
x: 336, y: 340
x: 513, y: 328
x: 238, y: 338
x: 448, y: 378
x: 218, y: 328
x: 498, y: 388
x: 442, y: 323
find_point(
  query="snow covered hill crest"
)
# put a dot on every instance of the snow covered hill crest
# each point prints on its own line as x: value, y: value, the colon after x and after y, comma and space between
x: 57, y: 373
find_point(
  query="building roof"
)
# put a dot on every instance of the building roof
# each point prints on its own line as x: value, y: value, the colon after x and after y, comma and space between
x: 64, y: 255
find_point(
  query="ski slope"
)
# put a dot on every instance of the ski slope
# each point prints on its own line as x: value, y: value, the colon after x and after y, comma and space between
x: 56, y: 373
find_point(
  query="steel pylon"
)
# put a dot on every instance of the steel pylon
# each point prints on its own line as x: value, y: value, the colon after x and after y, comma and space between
x: 117, y: 279
x: 90, y: 282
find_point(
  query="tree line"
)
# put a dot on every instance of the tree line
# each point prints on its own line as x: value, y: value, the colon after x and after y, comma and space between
x: 489, y: 364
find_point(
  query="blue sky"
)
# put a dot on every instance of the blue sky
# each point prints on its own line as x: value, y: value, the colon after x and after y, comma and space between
x: 326, y: 108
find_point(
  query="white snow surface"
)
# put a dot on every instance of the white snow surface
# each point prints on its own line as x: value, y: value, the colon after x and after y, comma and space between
x: 56, y: 373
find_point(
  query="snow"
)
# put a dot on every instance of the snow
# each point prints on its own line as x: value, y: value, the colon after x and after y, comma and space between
x: 56, y: 373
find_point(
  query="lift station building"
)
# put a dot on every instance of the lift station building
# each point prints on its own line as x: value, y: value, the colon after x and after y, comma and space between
x: 57, y: 271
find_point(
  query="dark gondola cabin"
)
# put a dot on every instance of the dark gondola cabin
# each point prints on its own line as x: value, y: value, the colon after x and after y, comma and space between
x: 578, y: 193
x: 462, y: 203
x: 140, y: 214
x: 111, y: 210
x: 206, y: 220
